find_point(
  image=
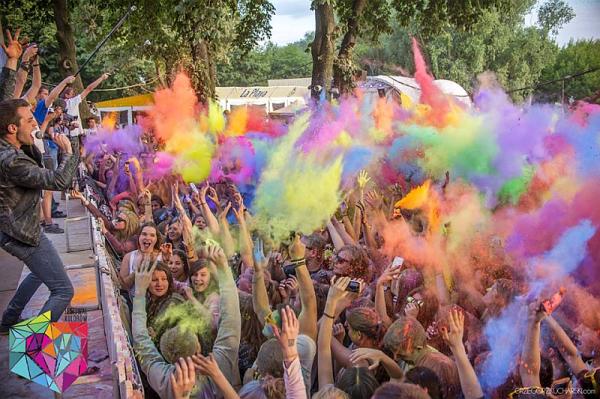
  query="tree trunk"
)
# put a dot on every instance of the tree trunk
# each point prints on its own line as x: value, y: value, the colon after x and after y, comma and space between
x: 344, y: 69
x: 67, y: 54
x: 203, y: 72
x: 322, y: 49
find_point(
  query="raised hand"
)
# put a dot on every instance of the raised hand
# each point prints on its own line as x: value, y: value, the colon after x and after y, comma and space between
x: 30, y: 53
x: 215, y: 255
x: 411, y: 309
x: 374, y: 200
x: 337, y: 290
x: 207, y: 365
x: 297, y: 248
x: 390, y: 274
x: 183, y: 378
x: 453, y: 334
x: 362, y: 179
x: 167, y: 250
x: 258, y: 252
x: 223, y: 213
x: 143, y: 274
x: 13, y: 48
x: 339, y: 332
x: 287, y: 336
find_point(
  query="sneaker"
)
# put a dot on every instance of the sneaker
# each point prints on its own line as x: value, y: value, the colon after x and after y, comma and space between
x: 53, y: 229
x: 58, y: 215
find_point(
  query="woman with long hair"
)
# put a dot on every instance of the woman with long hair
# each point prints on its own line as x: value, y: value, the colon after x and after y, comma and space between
x: 148, y: 246
x: 160, y: 295
x: 204, y: 290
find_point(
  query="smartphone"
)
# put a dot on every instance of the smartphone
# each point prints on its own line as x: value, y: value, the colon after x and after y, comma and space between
x: 353, y: 286
x: 289, y: 271
x: 398, y: 261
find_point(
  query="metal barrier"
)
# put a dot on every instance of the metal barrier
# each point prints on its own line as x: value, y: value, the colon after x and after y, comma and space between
x: 126, y: 376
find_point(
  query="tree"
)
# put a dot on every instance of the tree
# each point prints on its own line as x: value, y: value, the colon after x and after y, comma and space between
x: 498, y: 41
x: 368, y: 19
x: 576, y: 57
x: 181, y: 35
x: 266, y: 62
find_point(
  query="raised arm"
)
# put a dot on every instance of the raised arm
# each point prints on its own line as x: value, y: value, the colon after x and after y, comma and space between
x: 227, y: 343
x: 453, y: 336
x: 57, y: 90
x: 13, y: 50
x: 186, y: 223
x: 93, y: 85
x: 338, y: 243
x: 157, y: 371
x: 225, y: 235
x: 390, y: 274
x: 211, y: 220
x: 529, y: 367
x: 245, y: 241
x: 29, y: 55
x: 567, y: 348
x: 287, y: 337
x: 260, y: 297
x: 308, y: 314
x: 325, y: 366
x: 36, y: 82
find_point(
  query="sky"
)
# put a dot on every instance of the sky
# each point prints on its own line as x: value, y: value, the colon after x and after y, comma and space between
x: 293, y: 18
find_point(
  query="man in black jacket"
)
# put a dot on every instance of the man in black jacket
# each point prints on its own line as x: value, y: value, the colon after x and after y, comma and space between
x: 22, y: 179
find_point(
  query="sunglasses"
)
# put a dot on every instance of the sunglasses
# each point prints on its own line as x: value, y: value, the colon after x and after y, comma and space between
x: 339, y: 259
x: 411, y: 299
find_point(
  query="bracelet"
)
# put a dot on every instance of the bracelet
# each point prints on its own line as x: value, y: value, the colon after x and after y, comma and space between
x: 298, y: 260
x: 326, y: 315
x: 297, y: 265
x: 34, y: 65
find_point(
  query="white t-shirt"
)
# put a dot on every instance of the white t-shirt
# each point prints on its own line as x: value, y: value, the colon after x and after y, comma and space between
x: 73, y: 110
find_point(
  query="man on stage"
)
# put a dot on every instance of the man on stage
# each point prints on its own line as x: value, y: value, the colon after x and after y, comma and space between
x: 22, y: 179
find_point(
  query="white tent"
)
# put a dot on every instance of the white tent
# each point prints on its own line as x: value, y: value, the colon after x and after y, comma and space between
x: 410, y: 88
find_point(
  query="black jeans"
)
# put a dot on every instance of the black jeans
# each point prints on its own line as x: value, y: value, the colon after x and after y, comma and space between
x: 46, y: 267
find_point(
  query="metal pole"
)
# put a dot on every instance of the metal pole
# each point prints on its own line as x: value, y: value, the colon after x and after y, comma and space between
x: 114, y: 29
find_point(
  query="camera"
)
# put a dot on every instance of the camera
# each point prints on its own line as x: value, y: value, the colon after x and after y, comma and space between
x: 69, y: 121
x: 353, y: 286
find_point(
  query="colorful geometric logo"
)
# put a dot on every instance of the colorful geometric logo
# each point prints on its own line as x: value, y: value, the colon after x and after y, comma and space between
x: 52, y: 354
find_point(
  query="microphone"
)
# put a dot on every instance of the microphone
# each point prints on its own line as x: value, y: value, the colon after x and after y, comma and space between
x: 38, y: 134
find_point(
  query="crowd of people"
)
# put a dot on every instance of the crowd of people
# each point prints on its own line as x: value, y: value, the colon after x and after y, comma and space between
x: 216, y: 308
